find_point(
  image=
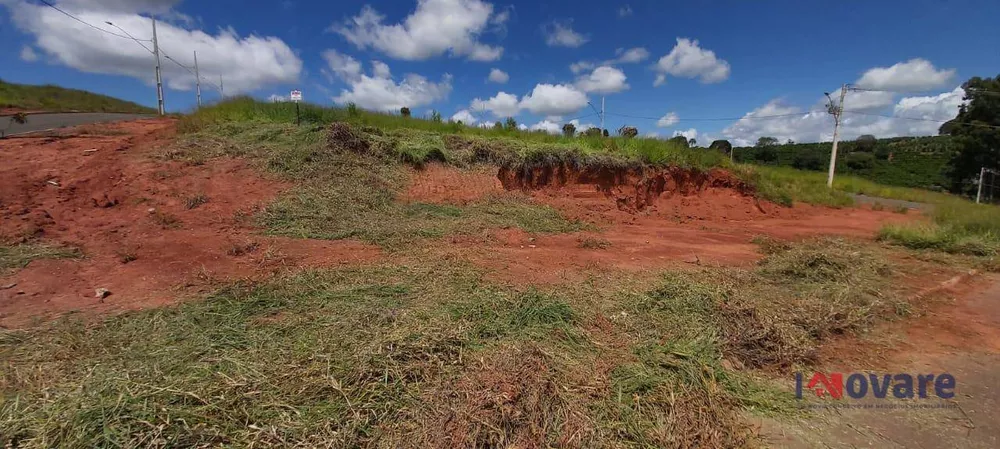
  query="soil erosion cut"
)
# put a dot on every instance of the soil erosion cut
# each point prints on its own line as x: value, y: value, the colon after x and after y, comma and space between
x: 633, y: 189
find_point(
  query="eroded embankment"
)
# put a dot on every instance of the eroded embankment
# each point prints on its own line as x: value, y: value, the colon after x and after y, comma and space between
x: 635, y: 188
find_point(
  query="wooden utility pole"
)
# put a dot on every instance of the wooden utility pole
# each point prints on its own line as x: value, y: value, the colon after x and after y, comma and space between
x: 837, y: 110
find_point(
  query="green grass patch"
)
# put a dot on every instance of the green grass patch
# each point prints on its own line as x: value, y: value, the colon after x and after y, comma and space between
x: 17, y: 256
x: 955, y: 226
x: 50, y: 98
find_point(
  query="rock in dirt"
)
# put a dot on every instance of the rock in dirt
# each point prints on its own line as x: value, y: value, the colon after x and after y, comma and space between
x: 102, y: 293
x: 8, y: 286
x: 104, y: 201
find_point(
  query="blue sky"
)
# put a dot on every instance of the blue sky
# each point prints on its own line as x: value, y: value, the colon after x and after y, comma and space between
x: 666, y: 67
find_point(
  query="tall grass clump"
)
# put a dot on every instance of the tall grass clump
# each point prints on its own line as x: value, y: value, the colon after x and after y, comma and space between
x: 956, y: 226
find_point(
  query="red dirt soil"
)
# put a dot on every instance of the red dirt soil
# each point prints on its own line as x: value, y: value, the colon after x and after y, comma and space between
x: 110, y: 196
x: 648, y: 220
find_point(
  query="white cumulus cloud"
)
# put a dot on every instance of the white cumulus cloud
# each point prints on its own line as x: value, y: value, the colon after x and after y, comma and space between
x: 622, y: 56
x: 582, y: 66
x: 341, y: 65
x: 465, y: 117
x: 501, y: 105
x: 547, y: 126
x: 561, y: 34
x: 817, y: 125
x: 554, y: 99
x: 436, y: 27
x: 915, y: 75
x: 688, y: 60
x: 244, y: 62
x: 379, y: 91
x: 498, y: 76
x: 603, y: 80
x: 668, y: 120
x: 631, y: 56
x: 381, y: 70
x: 688, y: 134
x: 28, y: 54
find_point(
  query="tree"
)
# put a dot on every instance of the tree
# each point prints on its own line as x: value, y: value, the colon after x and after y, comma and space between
x: 865, y: 143
x: 510, y: 124
x: 977, y: 128
x: 859, y: 160
x: 766, y: 154
x: 680, y: 141
x: 810, y: 160
x: 766, y: 142
x: 590, y: 132
x: 435, y: 116
x: 790, y: 142
x: 498, y: 125
x: 606, y: 133
x: 569, y: 130
x: 722, y: 145
x: 692, y: 142
x: 404, y: 111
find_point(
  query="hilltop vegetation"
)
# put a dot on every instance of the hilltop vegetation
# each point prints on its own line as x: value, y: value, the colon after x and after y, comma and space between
x: 50, y: 98
x: 920, y: 162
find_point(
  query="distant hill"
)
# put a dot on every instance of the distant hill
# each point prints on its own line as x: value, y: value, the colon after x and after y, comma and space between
x: 921, y: 162
x: 50, y: 98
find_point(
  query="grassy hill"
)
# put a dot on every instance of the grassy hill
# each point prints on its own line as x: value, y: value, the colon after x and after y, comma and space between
x: 60, y: 99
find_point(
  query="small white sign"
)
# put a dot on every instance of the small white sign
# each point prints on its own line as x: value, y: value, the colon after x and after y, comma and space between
x: 296, y: 96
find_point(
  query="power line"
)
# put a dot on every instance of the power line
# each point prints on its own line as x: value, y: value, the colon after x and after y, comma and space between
x: 721, y: 119
x: 165, y: 55
x: 131, y: 37
x: 89, y: 24
x: 919, y: 119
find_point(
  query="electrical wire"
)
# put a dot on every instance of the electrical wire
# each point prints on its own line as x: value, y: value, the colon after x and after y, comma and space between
x: 203, y: 79
x: 919, y: 119
x: 88, y: 24
x: 720, y: 119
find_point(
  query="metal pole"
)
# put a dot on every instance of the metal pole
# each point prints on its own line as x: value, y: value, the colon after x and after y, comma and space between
x: 836, y: 133
x: 159, y: 82
x: 982, y: 176
x: 197, y: 76
x: 222, y: 89
x: 602, y: 115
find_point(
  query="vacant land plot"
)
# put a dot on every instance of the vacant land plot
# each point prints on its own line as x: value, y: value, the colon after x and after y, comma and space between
x: 350, y: 285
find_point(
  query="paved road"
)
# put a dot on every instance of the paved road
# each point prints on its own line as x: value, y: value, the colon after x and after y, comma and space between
x: 43, y: 122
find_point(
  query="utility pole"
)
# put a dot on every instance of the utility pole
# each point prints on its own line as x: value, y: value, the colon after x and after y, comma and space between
x: 159, y: 82
x: 982, y: 177
x: 602, y: 115
x: 197, y: 78
x: 222, y: 89
x: 837, y: 110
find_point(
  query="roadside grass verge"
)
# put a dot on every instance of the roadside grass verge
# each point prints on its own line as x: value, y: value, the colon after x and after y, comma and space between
x: 431, y: 355
x: 17, y: 256
x: 955, y: 226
